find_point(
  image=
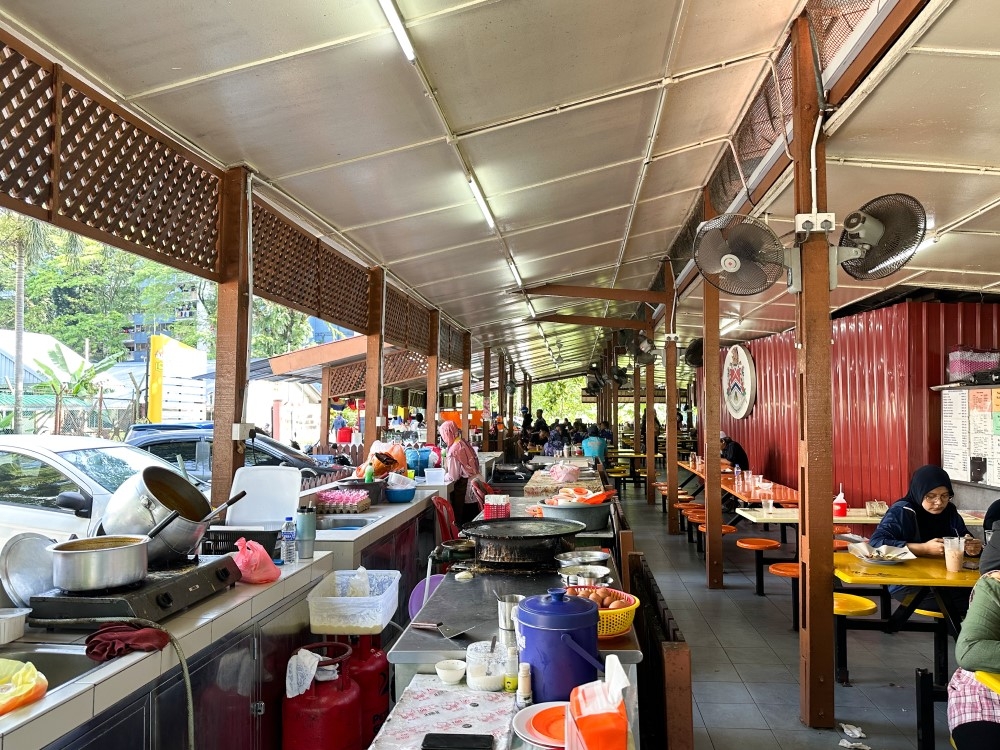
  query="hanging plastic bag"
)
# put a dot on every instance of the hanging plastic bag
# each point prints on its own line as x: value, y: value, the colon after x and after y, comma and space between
x: 359, y: 584
x: 20, y: 684
x: 254, y: 562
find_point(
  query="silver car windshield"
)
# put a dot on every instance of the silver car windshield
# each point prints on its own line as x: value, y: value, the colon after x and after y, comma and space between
x: 109, y: 467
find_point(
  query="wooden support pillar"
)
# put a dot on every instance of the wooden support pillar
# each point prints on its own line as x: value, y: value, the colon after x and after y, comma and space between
x: 466, y: 382
x: 501, y: 395
x: 508, y: 423
x: 813, y: 377
x: 650, y: 428
x: 487, y: 377
x: 233, y: 322
x: 324, y: 412
x: 711, y: 421
x: 612, y: 413
x: 430, y: 412
x: 637, y: 412
x: 373, y: 360
x: 670, y: 392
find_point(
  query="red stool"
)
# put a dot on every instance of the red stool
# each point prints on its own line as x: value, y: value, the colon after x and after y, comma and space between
x: 789, y: 570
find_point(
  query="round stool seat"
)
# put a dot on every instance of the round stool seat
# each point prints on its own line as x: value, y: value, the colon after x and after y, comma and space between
x: 757, y: 544
x: 851, y: 605
x: 726, y: 529
x: 841, y: 529
x: 929, y: 613
x: 688, y: 506
x: 784, y: 570
x: 695, y: 515
x: 840, y: 545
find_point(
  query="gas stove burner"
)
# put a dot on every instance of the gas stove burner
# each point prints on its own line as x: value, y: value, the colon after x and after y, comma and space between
x: 509, y: 570
x: 174, y: 565
x: 161, y: 594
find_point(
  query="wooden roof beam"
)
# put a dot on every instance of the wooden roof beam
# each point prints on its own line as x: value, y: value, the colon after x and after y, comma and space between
x: 591, y: 292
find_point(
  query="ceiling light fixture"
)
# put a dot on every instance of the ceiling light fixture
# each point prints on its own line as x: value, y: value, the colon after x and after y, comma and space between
x: 730, y: 326
x: 478, y: 195
x: 396, y: 24
x: 517, y: 279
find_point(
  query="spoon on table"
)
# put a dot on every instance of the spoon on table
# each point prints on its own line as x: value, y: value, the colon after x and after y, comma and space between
x: 489, y: 662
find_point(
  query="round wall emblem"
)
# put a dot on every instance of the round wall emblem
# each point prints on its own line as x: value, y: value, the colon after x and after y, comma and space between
x: 739, y: 382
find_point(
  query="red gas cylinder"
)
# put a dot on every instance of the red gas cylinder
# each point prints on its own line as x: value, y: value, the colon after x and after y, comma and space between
x: 369, y: 667
x: 328, y: 714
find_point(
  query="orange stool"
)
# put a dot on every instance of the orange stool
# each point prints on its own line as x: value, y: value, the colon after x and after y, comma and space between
x: 759, y: 547
x: 840, y: 528
x: 726, y: 529
x: 694, y: 517
x: 840, y: 545
x: 790, y: 571
x: 683, y: 506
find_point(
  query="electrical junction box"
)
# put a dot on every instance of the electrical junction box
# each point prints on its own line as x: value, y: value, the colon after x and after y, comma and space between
x: 824, y: 222
x: 241, y: 431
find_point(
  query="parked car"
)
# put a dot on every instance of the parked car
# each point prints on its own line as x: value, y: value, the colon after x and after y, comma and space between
x: 194, y: 446
x: 59, y: 485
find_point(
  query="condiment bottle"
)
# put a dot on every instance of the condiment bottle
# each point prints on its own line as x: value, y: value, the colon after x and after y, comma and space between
x: 510, y: 671
x: 369, y: 474
x: 523, y: 698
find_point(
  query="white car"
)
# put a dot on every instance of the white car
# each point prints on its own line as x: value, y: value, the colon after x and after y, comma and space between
x: 59, y: 485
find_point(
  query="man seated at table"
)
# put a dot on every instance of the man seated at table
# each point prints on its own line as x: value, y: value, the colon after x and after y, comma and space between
x: 920, y: 521
x: 732, y: 452
x: 606, y: 433
x: 595, y: 445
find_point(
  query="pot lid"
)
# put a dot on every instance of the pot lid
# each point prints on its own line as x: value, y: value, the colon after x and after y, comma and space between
x: 557, y: 611
x: 26, y: 567
x: 522, y: 528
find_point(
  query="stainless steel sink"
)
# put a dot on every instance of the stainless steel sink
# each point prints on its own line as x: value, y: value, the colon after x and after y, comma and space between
x: 60, y: 663
x: 346, y: 522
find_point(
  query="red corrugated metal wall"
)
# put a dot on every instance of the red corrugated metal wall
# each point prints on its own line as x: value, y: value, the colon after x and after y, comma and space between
x: 886, y: 420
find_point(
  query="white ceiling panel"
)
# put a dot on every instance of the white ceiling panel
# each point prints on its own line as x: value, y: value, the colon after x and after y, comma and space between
x: 269, y: 119
x: 683, y: 171
x: 968, y: 25
x: 384, y: 187
x: 932, y: 108
x: 945, y: 196
x: 570, y: 198
x: 411, y: 236
x: 138, y: 47
x: 956, y: 280
x: 494, y: 61
x: 537, y: 270
x: 650, y: 244
x: 704, y: 107
x: 957, y: 251
x: 593, y: 229
x: 663, y: 213
x: 481, y: 261
x: 570, y: 142
x: 736, y: 28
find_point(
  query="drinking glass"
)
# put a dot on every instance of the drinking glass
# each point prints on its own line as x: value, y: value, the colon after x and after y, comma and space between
x: 954, y: 553
x: 768, y: 506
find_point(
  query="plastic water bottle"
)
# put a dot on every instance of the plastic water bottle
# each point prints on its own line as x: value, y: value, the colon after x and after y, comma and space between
x: 737, y: 475
x: 288, y: 551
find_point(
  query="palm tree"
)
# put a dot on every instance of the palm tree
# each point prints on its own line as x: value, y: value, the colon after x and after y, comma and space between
x: 30, y: 241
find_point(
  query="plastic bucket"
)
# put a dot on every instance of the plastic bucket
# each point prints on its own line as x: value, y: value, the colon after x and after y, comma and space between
x: 344, y: 434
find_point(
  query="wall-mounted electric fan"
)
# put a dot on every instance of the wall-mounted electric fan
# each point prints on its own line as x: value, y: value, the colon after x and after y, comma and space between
x: 882, y: 236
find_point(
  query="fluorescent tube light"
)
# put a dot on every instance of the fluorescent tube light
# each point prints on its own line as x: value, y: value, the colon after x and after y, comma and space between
x: 730, y: 326
x: 517, y: 277
x: 396, y: 24
x: 478, y: 195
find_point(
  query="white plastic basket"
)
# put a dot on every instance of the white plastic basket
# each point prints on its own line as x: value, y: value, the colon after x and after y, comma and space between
x: 434, y: 476
x: 332, y: 612
x: 12, y: 624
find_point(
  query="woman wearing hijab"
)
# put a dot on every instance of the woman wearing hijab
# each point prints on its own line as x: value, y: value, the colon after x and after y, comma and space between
x: 920, y: 521
x: 462, y: 465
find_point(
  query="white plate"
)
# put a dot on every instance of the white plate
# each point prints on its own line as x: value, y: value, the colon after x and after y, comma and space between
x: 880, y: 562
x: 522, y: 724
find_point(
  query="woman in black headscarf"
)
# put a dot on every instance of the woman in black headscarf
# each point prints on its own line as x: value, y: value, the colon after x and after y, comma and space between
x: 920, y: 521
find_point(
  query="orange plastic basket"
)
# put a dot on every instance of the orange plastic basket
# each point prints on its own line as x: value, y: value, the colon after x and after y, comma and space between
x: 611, y: 622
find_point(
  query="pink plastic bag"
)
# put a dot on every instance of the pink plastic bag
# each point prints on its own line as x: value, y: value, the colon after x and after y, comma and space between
x: 564, y: 473
x: 254, y: 562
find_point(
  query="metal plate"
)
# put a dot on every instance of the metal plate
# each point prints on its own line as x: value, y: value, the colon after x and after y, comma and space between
x: 26, y: 567
x: 522, y: 528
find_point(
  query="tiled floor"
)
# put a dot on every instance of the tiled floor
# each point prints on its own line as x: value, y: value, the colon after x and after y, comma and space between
x: 745, y: 655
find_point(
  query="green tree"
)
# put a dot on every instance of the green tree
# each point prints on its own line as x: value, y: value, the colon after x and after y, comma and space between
x: 277, y: 329
x: 561, y: 399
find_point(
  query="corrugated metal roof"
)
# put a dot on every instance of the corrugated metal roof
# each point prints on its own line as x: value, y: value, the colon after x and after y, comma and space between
x: 33, y: 401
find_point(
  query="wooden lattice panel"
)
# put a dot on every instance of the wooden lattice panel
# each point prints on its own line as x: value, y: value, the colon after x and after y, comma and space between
x: 404, y: 366
x: 450, y: 344
x: 284, y: 262
x: 343, y: 290
x: 347, y: 380
x: 396, y: 307
x: 123, y: 180
x: 419, y: 329
x: 26, y: 144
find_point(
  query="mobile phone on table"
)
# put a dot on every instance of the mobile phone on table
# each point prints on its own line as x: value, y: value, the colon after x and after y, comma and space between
x: 435, y: 741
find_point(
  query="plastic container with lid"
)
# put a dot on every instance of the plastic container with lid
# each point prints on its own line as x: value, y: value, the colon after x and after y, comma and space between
x: 485, y: 670
x: 557, y: 636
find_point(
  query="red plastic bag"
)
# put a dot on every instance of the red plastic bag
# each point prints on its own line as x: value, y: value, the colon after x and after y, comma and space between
x: 254, y: 562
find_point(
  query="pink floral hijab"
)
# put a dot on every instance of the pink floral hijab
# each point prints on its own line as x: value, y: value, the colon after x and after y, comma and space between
x: 462, y: 459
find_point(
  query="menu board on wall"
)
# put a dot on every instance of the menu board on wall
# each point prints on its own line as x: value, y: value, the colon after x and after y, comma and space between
x: 970, y: 435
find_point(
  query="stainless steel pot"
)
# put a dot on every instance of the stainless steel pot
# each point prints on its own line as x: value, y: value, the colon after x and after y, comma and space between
x: 146, y: 499
x: 99, y: 562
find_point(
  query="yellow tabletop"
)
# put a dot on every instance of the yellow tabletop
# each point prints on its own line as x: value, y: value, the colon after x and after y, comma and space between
x: 923, y: 571
x: 990, y: 680
x: 854, y: 516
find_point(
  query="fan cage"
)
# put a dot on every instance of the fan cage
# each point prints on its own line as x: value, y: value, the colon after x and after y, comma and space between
x: 759, y: 250
x: 905, y: 224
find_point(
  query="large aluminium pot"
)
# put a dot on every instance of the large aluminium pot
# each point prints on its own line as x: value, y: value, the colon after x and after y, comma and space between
x: 99, y: 562
x: 522, y: 542
x: 146, y: 499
